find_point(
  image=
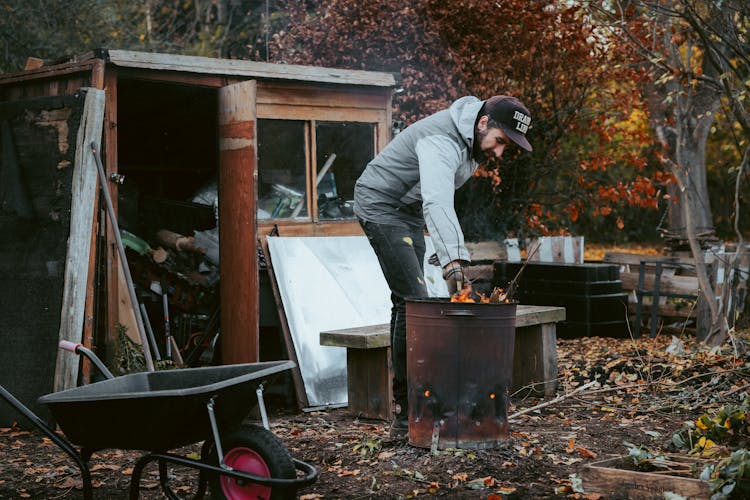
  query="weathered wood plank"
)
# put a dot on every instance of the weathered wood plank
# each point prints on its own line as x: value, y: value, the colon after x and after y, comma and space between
x: 369, y: 371
x: 47, y: 72
x: 114, y: 277
x: 274, y: 92
x: 292, y: 228
x: 363, y: 337
x: 602, y: 477
x: 535, y: 359
x: 373, y: 336
x: 371, y: 396
x: 253, y: 69
x: 283, y: 111
x: 634, y: 259
x: 666, y: 310
x: 527, y: 315
x: 79, y: 240
x: 568, y: 249
x: 668, y: 285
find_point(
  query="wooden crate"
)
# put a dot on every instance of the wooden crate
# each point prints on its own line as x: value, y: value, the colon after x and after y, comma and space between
x: 612, y: 479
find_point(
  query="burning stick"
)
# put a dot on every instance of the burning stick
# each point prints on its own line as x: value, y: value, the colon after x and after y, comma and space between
x: 498, y: 295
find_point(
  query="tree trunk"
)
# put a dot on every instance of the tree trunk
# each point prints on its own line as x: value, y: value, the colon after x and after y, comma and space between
x: 683, y: 110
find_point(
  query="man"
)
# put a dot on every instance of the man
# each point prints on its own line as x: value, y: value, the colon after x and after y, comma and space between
x: 410, y: 184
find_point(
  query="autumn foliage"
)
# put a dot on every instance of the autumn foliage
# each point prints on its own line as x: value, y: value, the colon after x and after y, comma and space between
x: 590, y: 133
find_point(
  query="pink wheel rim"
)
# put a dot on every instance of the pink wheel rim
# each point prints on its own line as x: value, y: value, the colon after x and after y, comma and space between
x: 245, y: 460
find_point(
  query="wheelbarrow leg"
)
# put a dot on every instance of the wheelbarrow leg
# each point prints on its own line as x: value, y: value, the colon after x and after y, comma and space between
x: 202, y: 474
x: 135, y: 478
x: 88, y: 492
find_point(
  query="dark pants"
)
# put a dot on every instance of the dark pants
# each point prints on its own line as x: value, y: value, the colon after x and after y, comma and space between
x: 400, y: 251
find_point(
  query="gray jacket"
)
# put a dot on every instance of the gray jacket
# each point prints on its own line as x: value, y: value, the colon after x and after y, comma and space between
x: 413, y: 180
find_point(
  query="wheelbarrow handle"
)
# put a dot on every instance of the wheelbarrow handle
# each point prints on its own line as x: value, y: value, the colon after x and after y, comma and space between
x: 78, y: 348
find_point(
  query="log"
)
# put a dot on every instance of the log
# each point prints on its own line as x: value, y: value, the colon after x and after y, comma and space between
x: 178, y: 242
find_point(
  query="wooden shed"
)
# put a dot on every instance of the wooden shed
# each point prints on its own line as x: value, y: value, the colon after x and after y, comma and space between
x: 280, y: 145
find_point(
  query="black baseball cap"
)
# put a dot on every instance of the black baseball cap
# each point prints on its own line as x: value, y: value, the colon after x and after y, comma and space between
x: 512, y: 117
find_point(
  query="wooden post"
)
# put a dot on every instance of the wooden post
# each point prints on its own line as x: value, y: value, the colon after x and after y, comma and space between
x: 237, y: 225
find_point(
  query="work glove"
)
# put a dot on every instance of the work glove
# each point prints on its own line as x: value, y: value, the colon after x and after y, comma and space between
x: 453, y: 274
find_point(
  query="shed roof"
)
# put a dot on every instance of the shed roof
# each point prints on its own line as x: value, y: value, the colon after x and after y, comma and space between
x: 254, y: 69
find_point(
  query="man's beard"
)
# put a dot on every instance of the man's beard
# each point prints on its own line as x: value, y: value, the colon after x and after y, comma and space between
x: 477, y: 153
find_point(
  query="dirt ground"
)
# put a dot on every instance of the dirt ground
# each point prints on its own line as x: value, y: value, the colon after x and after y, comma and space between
x: 646, y: 390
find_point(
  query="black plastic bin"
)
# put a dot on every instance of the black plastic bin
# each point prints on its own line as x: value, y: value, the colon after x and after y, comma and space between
x: 591, y: 293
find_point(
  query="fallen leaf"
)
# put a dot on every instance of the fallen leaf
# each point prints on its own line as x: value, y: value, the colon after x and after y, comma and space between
x: 66, y: 484
x: 586, y: 453
x: 104, y: 467
x: 571, y: 446
x: 481, y: 483
x: 348, y: 473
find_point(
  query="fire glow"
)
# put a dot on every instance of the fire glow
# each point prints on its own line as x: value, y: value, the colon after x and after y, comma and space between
x: 466, y: 294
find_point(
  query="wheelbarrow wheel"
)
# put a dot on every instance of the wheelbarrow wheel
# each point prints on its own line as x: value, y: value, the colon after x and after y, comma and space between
x: 257, y: 451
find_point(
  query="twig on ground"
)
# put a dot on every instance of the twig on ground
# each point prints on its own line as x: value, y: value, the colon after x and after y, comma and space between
x: 551, y: 401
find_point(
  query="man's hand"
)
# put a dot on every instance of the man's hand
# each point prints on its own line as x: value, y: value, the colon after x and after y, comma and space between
x: 453, y: 274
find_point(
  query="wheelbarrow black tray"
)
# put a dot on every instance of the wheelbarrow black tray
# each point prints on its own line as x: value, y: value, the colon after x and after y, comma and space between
x: 159, y: 411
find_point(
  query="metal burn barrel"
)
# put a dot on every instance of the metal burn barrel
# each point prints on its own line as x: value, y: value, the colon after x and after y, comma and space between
x: 459, y: 369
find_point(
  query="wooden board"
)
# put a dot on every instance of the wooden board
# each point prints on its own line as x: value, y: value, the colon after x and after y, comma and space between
x: 606, y: 478
x: 566, y: 249
x: 369, y: 370
x: 299, y: 384
x: 373, y: 336
x: 251, y: 69
x: 371, y: 393
x: 535, y: 360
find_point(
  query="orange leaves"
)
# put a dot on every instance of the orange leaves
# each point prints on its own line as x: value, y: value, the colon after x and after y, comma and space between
x: 572, y: 448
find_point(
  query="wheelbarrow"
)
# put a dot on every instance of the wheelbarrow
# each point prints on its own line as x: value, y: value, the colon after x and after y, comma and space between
x: 159, y: 411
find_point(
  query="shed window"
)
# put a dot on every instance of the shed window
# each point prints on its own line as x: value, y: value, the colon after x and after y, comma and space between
x: 291, y: 172
x: 282, y: 169
x: 353, y: 145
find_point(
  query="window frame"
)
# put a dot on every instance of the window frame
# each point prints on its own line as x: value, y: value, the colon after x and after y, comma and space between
x: 311, y: 166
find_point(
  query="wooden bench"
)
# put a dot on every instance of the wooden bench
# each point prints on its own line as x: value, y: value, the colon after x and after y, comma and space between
x: 369, y: 368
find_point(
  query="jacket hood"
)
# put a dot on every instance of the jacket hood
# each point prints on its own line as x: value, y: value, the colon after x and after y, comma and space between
x: 464, y: 113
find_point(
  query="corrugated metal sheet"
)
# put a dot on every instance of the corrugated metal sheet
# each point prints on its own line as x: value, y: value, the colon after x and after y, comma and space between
x: 329, y: 283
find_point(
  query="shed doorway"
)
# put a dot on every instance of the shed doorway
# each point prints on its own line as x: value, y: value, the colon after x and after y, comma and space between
x: 180, y: 148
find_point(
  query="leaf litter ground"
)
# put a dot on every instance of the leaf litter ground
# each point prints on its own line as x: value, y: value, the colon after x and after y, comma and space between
x: 646, y: 390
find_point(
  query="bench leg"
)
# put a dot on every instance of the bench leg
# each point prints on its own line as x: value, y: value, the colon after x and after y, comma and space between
x: 535, y: 359
x: 370, y: 387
